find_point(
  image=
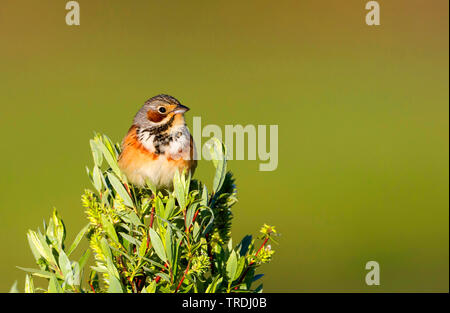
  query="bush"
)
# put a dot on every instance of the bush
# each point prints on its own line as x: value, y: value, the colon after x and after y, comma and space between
x: 145, y: 240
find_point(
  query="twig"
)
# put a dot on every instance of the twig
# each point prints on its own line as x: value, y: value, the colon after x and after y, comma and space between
x: 251, y: 263
x: 264, y: 243
x: 184, y: 276
x: 158, y: 278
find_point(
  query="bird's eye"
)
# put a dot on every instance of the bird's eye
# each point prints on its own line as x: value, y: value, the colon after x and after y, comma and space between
x: 162, y: 110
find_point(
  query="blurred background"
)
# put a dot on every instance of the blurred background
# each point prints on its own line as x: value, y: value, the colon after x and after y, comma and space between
x: 363, y: 170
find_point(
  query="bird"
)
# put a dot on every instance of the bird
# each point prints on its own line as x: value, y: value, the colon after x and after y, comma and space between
x: 158, y: 144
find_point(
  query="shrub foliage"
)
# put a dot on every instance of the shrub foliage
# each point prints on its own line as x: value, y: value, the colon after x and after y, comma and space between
x: 145, y: 240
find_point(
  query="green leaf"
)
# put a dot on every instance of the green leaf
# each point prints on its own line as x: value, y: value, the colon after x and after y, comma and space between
x: 130, y: 239
x: 256, y: 277
x: 59, y: 228
x: 245, y: 243
x: 100, y: 269
x: 89, y: 174
x: 39, y: 273
x: 164, y: 276
x: 196, y: 231
x: 132, y: 218
x: 151, y: 186
x: 97, y: 178
x: 66, y: 267
x: 168, y: 242
x: 210, y: 222
x: 84, y: 258
x: 240, y: 267
x: 109, y: 157
x: 213, y: 286
x: 49, y: 231
x: 157, y: 245
x: 48, y: 251
x: 77, y: 239
x: 114, y: 285
x: 76, y: 274
x: 120, y: 189
x: 259, y: 289
x: 36, y: 250
x: 170, y: 205
x: 14, y: 288
x: 190, y: 214
x: 109, y: 145
x: 145, y: 206
x: 187, y: 182
x: 151, y: 288
x: 204, y: 201
x: 175, y: 258
x: 188, y: 288
x: 179, y: 190
x: 218, y: 157
x: 53, y: 285
x: 154, y: 263
x: 231, y: 267
x: 38, y: 245
x: 159, y: 207
x: 230, y: 244
x: 29, y: 285
x: 143, y: 247
x: 108, y: 256
x: 96, y: 153
x: 109, y: 228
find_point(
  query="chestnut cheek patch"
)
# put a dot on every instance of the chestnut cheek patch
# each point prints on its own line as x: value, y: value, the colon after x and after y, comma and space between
x: 154, y: 116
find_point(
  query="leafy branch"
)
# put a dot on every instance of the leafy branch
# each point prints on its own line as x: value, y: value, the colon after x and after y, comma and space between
x: 145, y: 240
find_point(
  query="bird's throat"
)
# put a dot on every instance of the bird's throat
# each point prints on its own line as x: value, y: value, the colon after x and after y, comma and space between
x: 164, y: 137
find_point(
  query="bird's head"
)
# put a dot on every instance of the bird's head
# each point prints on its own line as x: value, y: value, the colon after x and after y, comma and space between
x: 160, y: 110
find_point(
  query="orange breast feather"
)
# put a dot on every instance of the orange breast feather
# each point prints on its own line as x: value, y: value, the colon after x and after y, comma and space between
x: 139, y: 164
x: 134, y: 154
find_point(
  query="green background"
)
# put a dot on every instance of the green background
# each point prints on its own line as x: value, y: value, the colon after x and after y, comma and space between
x: 362, y: 114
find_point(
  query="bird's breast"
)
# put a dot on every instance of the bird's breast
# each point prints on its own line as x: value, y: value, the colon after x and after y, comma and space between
x: 156, y: 157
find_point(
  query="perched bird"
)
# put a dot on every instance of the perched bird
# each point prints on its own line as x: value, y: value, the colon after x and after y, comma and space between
x: 158, y: 144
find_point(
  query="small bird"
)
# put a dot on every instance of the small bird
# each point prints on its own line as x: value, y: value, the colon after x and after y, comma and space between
x: 158, y: 144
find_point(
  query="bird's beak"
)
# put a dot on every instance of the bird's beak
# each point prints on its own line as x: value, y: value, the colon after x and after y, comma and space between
x: 180, y: 109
